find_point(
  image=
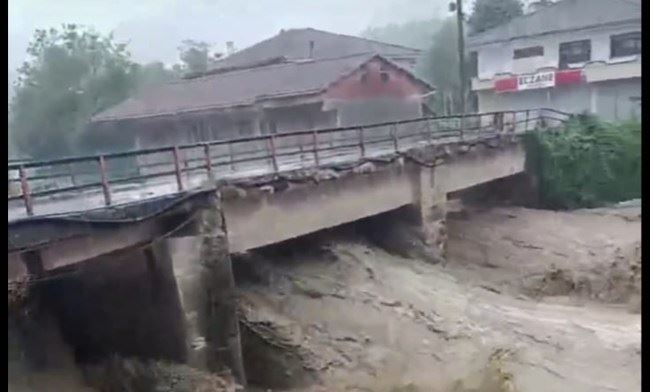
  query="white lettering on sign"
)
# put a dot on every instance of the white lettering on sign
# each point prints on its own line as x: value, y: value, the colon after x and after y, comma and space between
x: 539, y: 80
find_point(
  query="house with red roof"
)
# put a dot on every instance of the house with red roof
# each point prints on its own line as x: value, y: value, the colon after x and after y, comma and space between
x: 273, y: 87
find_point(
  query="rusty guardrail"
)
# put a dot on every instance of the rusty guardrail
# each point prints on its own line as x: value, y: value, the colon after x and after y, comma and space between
x: 313, y: 148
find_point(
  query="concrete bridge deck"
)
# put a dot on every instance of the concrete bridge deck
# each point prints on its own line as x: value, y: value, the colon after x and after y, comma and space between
x: 61, y: 194
x: 110, y: 217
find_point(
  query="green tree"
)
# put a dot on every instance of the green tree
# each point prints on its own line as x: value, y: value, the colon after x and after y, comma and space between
x: 440, y: 67
x: 70, y: 74
x: 154, y: 73
x: 491, y: 13
x: 195, y: 57
x: 414, y: 34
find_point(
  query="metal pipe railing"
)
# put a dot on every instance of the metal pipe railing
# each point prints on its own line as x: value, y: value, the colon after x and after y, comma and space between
x: 276, y: 148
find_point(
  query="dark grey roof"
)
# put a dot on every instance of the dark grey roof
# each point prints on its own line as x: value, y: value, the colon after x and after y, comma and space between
x: 562, y: 16
x: 239, y: 88
x: 294, y: 44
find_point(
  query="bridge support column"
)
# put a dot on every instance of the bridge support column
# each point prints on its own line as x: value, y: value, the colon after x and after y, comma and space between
x: 431, y: 211
x: 207, y: 289
x: 35, y: 342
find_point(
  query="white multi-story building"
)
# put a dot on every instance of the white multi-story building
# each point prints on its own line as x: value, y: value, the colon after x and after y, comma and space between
x: 573, y: 55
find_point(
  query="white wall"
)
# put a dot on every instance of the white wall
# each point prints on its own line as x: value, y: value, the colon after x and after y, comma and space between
x: 613, y: 101
x: 609, y: 100
x: 300, y: 118
x: 498, y: 57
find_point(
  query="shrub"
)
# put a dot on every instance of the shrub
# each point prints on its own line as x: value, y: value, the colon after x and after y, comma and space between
x: 586, y: 164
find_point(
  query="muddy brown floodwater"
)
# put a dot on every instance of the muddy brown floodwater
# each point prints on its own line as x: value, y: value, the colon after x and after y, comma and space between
x: 529, y: 300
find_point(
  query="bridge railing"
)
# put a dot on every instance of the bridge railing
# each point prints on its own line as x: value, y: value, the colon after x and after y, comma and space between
x: 186, y: 166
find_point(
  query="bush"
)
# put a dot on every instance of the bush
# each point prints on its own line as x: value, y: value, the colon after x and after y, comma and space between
x: 587, y: 164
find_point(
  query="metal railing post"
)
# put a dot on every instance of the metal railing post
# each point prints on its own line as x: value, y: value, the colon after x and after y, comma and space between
x: 231, y: 155
x: 526, y: 125
x: 177, y: 168
x: 72, y: 179
x: 300, y: 148
x: 105, y: 188
x: 361, y: 144
x: 462, y: 125
x: 429, y: 131
x: 208, y: 162
x: 315, y: 142
x: 274, y: 160
x: 394, y: 136
x: 186, y: 166
x: 24, y: 186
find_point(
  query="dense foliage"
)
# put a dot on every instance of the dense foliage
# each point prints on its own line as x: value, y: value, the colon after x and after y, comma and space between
x: 413, y: 34
x: 439, y: 37
x: 195, y: 57
x: 491, y: 13
x: 73, y: 73
x: 587, y: 164
x: 439, y: 66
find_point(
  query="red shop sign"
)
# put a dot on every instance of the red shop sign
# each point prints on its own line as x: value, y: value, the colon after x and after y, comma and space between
x: 538, y: 80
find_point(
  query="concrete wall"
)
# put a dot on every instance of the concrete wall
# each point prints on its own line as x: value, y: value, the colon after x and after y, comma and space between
x: 377, y: 110
x: 617, y: 99
x: 374, y: 79
x: 119, y: 303
x: 497, y: 58
x: 255, y: 222
x: 299, y: 118
x: 612, y: 100
x: 472, y: 169
x: 261, y: 220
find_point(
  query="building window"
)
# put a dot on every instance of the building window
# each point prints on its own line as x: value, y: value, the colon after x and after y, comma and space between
x: 574, y: 52
x: 627, y: 44
x: 364, y: 78
x: 385, y: 77
x: 532, y: 51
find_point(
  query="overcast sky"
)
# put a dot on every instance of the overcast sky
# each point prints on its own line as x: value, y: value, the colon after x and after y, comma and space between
x: 154, y: 28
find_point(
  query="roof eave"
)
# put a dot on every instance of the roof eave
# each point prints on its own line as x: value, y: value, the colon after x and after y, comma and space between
x: 211, y: 108
x: 475, y: 41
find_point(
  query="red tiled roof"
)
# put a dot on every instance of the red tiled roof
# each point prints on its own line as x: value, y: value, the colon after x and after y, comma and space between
x: 241, y: 87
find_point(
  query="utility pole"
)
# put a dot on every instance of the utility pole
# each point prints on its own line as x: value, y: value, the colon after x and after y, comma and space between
x: 461, y: 51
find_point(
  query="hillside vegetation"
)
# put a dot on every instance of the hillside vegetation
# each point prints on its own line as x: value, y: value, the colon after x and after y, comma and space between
x: 589, y: 163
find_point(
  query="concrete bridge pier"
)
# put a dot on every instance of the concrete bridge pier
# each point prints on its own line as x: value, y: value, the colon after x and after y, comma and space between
x: 431, y: 207
x: 205, y: 280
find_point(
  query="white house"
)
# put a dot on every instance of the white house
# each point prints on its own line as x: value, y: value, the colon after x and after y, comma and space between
x: 573, y: 55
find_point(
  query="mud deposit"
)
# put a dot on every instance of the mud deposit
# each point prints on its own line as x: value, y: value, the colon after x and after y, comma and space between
x: 528, y: 301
